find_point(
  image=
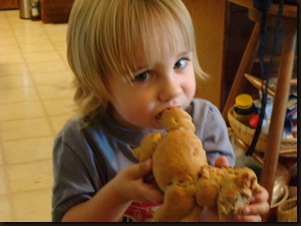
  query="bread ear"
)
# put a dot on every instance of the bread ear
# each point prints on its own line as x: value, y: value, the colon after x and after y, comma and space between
x: 147, y: 146
x: 247, y: 179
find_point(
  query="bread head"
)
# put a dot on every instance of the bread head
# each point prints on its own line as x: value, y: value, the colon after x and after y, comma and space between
x: 176, y: 118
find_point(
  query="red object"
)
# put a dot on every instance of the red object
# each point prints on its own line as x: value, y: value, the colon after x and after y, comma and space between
x: 254, y: 120
x: 140, y: 211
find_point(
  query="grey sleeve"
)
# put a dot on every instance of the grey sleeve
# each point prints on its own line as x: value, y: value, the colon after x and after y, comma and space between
x: 213, y: 132
x: 72, y: 184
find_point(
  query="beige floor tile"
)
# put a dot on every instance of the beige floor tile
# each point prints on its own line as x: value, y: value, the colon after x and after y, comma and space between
x: 55, y: 92
x: 63, y: 52
x: 14, y: 13
x: 58, y: 106
x: 35, y: 47
x: 48, y: 67
x: 55, y: 28
x: 33, y: 39
x: 58, y: 122
x: 55, y: 78
x: 18, y: 95
x: 51, y: 29
x: 28, y: 150
x: 8, y: 49
x: 15, y: 81
x: 12, y: 59
x: 30, y: 176
x: 22, y: 110
x: 32, y: 206
x: 31, y: 32
x: 5, y: 209
x: 4, y: 25
x: 7, y: 40
x: 64, y: 57
x: 24, y: 129
x: 13, y: 69
x: 42, y: 56
x: 35, y: 80
x: 6, y: 33
x: 61, y: 45
x: 58, y: 37
x: 3, y: 185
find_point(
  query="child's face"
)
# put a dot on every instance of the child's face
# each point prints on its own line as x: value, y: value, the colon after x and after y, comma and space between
x: 168, y: 82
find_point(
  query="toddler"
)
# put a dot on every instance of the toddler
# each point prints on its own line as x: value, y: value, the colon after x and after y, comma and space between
x: 131, y: 60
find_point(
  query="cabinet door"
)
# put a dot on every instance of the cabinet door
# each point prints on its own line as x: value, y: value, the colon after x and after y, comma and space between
x: 9, y: 4
x: 209, y: 18
x: 55, y: 11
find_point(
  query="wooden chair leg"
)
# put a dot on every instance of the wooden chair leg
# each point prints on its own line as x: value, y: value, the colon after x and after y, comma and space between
x: 245, y: 66
x: 278, y: 113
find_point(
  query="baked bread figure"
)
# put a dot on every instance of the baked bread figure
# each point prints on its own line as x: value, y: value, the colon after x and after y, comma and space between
x: 181, y: 171
x: 228, y: 188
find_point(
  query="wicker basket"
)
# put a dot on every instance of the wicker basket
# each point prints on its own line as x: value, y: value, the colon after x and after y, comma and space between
x: 246, y: 134
x: 287, y: 211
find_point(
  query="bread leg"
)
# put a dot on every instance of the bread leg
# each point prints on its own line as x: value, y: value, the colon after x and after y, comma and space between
x: 178, y: 202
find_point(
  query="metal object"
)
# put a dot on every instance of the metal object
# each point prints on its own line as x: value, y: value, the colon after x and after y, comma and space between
x: 25, y: 9
x: 35, y: 10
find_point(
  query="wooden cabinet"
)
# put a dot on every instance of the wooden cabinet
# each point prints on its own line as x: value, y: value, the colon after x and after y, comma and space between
x: 9, y: 4
x: 209, y: 18
x: 222, y: 31
x: 55, y: 11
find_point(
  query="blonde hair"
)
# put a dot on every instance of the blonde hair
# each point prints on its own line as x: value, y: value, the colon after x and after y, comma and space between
x: 103, y: 37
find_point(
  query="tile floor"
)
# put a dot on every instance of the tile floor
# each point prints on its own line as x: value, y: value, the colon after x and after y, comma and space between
x: 35, y: 101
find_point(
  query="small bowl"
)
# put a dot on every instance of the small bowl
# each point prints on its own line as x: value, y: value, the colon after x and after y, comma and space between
x: 272, y: 216
x: 284, y: 195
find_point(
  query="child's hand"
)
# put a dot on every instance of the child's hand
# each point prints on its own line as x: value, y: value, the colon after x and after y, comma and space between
x: 259, y: 206
x: 129, y: 184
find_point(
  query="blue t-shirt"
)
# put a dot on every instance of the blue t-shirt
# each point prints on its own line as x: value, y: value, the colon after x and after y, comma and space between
x: 86, y: 158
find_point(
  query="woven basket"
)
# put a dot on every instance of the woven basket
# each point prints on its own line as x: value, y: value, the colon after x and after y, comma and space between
x: 287, y: 211
x: 246, y: 133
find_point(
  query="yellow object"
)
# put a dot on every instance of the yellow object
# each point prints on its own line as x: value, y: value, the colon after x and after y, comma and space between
x: 244, y: 101
x: 244, y: 108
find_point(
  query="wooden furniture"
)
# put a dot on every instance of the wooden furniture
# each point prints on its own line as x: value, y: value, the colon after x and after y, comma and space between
x: 284, y: 75
x: 210, y: 25
x: 55, y: 11
x: 9, y: 4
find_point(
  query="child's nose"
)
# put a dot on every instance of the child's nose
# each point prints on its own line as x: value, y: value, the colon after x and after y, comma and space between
x: 170, y: 89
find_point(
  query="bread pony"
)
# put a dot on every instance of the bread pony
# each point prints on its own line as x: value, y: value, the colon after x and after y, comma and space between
x: 189, y: 183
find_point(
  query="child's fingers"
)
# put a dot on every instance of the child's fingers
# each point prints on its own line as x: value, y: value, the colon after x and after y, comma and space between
x: 146, y: 192
x: 248, y: 218
x: 260, y: 196
x: 221, y: 161
x: 140, y: 169
x: 257, y: 208
x: 151, y: 193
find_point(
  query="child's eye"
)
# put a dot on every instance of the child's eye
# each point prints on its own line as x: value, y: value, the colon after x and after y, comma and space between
x: 142, y: 77
x: 180, y: 63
